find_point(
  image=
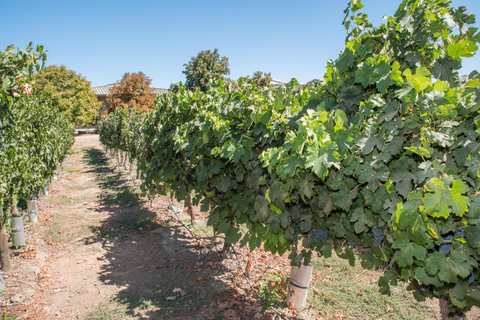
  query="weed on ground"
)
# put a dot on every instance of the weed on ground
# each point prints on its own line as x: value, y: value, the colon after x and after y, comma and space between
x: 352, y: 292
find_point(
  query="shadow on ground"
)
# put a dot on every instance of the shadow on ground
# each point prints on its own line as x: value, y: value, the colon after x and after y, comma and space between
x: 161, y: 271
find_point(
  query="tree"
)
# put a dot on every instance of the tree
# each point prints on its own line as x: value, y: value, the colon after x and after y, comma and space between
x: 69, y: 91
x: 132, y: 92
x: 173, y: 88
x: 262, y: 79
x: 207, y: 65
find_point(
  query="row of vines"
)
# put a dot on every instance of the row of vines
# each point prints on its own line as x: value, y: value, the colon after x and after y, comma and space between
x: 378, y: 161
x: 34, y: 136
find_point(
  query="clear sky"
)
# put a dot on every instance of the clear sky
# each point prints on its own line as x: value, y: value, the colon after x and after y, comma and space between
x: 103, y: 39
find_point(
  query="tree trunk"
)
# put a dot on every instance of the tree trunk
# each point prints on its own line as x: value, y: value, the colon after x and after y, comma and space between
x: 189, y: 208
x: 4, y: 252
x: 125, y: 156
x: 444, y: 304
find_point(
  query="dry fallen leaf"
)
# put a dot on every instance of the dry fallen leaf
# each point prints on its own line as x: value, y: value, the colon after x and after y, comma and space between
x: 179, y: 290
x: 231, y: 314
x: 339, y: 316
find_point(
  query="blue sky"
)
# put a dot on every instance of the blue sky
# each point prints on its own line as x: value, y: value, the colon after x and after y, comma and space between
x: 103, y: 39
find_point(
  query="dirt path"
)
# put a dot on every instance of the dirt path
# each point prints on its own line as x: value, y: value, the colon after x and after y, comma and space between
x: 101, y: 251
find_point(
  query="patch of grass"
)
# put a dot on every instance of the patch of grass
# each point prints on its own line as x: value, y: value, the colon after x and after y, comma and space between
x: 125, y: 197
x: 60, y: 230
x: 86, y: 185
x: 353, y: 292
x: 60, y: 200
x: 110, y: 311
x: 71, y: 169
x: 107, y: 181
x: 95, y: 157
x: 202, y: 230
x: 152, y: 303
x: 126, y: 220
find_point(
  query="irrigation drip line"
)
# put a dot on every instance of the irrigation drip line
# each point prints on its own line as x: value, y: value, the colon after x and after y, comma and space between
x: 174, y: 210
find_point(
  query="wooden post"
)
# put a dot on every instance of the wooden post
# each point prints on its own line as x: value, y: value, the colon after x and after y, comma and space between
x: 4, y: 252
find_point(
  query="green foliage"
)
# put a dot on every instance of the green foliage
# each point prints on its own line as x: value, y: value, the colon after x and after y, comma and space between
x: 122, y: 130
x: 206, y: 66
x: 272, y: 290
x: 34, y: 135
x: 262, y: 79
x: 70, y: 92
x: 7, y: 316
x: 380, y: 158
x: 17, y: 69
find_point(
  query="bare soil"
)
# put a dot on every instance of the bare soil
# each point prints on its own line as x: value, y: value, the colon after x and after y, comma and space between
x: 103, y: 251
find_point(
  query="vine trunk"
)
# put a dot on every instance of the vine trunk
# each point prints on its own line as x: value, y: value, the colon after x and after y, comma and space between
x: 446, y: 315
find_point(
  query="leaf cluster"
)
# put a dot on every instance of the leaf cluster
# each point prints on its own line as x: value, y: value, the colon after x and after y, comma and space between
x: 70, y: 92
x: 205, y: 67
x: 122, y: 130
x: 132, y: 92
x: 17, y: 69
x: 34, y: 135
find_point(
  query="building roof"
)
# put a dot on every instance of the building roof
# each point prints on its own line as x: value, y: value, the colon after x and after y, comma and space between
x: 277, y: 83
x: 105, y: 90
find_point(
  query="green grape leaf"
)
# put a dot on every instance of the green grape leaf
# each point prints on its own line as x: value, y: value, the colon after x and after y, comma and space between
x: 319, y: 160
x: 461, y: 49
x: 406, y: 215
x: 278, y: 104
x: 360, y: 219
x: 232, y: 236
x: 437, y: 203
x: 350, y: 256
x: 472, y: 235
x: 289, y: 167
x: 362, y: 75
x: 385, y: 76
x: 435, y: 262
x: 424, y: 278
x: 460, y: 290
x: 223, y: 183
x: 421, y: 151
x: 407, y: 251
x: 345, y: 61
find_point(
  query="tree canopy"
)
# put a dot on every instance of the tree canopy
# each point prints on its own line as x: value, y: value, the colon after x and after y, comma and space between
x: 69, y: 91
x: 132, y: 92
x: 262, y: 79
x: 207, y: 65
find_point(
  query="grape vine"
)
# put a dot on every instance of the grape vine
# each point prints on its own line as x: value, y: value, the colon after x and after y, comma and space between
x: 34, y: 135
x: 378, y: 161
